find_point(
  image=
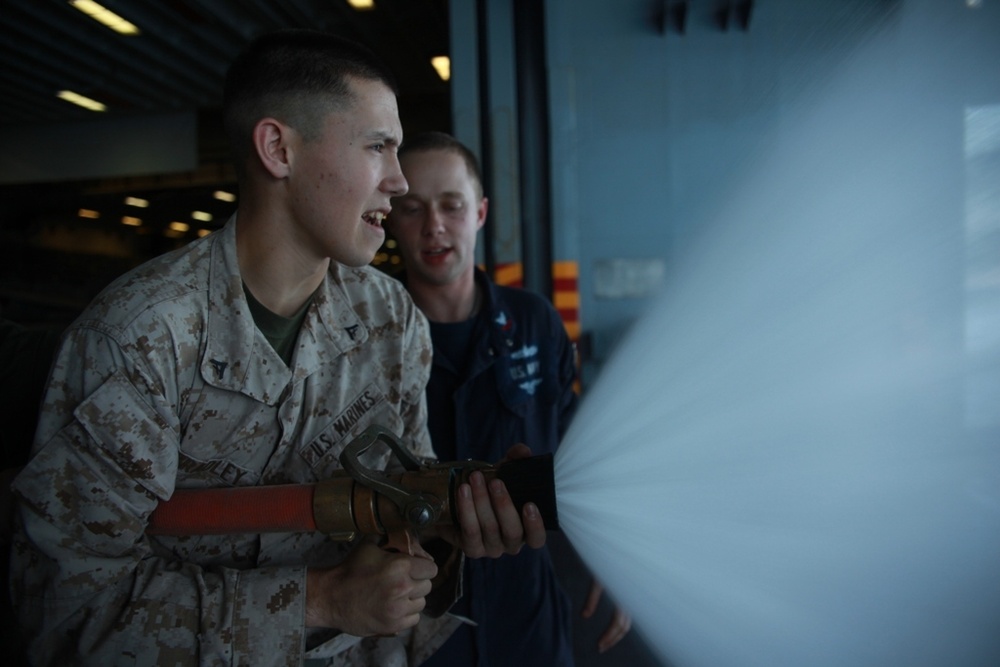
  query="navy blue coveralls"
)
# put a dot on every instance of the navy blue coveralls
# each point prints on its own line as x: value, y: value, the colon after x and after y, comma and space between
x: 512, y: 382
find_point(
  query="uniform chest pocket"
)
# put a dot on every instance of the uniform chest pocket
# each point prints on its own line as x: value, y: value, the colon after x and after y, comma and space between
x: 526, y: 379
x: 227, y: 439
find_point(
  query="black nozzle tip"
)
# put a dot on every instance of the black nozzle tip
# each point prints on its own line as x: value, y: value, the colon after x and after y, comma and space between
x: 532, y: 479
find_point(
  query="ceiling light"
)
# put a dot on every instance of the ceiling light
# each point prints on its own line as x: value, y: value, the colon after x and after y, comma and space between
x: 443, y: 66
x: 222, y: 195
x: 203, y: 232
x: 136, y: 201
x: 80, y: 100
x: 180, y: 226
x: 88, y: 213
x: 362, y: 4
x: 201, y: 216
x: 131, y: 221
x: 105, y: 16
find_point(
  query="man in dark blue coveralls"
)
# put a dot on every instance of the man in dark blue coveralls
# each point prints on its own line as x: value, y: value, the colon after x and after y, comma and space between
x: 503, y: 373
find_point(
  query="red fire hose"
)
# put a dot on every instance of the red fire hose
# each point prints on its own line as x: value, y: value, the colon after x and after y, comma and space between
x: 253, y: 509
x: 373, y: 504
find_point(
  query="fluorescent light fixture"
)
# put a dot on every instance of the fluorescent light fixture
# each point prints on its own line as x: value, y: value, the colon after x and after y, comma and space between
x: 180, y: 226
x: 80, y: 100
x: 201, y: 216
x: 222, y: 195
x: 443, y: 66
x: 131, y: 221
x: 137, y: 202
x: 88, y: 213
x: 362, y: 4
x: 105, y: 17
x: 203, y: 232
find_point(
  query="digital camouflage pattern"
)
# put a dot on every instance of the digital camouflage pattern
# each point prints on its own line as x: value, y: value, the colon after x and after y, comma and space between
x: 164, y: 382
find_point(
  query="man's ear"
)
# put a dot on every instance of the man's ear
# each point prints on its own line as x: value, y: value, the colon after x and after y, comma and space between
x: 484, y: 206
x: 271, y: 143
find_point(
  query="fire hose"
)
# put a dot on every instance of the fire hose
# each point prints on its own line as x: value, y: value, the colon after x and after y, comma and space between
x: 356, y: 500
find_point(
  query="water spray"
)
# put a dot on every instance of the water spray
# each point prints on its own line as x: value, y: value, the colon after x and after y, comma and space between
x: 809, y: 411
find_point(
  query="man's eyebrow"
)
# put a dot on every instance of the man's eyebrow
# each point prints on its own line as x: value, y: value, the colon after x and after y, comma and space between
x: 385, y: 137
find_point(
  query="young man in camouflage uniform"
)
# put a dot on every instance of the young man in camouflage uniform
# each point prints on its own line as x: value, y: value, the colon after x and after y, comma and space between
x: 249, y: 357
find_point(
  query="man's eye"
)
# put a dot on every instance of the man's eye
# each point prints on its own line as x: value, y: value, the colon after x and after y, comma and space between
x: 378, y: 148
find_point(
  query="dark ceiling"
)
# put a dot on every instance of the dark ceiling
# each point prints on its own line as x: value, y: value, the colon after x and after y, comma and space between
x: 179, y: 60
x: 52, y: 259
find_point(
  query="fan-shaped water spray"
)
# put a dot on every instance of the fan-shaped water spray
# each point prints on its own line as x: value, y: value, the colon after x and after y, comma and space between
x: 793, y: 459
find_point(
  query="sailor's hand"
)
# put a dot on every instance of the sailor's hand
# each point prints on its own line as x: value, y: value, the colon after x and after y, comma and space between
x: 489, y: 523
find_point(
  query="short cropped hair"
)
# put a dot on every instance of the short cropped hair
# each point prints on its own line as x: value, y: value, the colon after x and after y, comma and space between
x: 297, y: 76
x: 442, y: 141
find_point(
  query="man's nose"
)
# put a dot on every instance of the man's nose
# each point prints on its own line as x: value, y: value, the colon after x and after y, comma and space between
x: 433, y: 222
x: 395, y: 184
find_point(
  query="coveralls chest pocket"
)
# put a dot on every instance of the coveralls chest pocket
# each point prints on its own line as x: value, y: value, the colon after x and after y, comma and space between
x: 526, y: 379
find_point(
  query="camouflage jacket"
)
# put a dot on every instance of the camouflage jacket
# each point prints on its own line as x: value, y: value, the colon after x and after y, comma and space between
x: 164, y: 382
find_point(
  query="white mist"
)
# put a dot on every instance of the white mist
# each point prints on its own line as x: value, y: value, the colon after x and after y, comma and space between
x: 793, y: 459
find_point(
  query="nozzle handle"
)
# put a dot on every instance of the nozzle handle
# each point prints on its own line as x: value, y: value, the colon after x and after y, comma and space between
x: 417, y: 509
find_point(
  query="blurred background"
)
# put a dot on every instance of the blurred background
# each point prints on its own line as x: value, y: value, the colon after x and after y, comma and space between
x: 611, y: 133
